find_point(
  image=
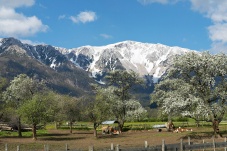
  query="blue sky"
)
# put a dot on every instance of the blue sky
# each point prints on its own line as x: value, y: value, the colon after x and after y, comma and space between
x: 194, y: 24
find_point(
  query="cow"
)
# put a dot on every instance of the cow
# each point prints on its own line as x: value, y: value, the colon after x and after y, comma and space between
x: 169, y: 126
x: 107, y: 130
x: 179, y: 130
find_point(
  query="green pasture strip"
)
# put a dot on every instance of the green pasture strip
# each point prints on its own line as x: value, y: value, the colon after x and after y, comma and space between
x: 132, y: 125
x: 223, y: 122
x: 76, y: 126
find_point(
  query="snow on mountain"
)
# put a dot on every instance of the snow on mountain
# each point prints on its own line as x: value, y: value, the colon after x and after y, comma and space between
x: 143, y: 58
x: 0, y: 42
x: 146, y: 59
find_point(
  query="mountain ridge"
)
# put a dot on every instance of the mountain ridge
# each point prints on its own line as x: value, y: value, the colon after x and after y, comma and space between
x: 143, y: 58
x: 43, y: 62
x: 71, y: 71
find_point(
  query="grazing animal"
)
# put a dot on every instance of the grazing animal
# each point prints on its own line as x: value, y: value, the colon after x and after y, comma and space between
x: 169, y: 126
x: 180, y: 130
x: 107, y: 130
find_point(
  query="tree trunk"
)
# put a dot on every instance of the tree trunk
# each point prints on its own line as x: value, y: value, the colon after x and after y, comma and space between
x: 19, y: 127
x: 71, y: 127
x: 215, y: 124
x: 95, y: 132
x: 56, y: 125
x: 34, y: 131
x: 121, y: 125
x: 197, y: 123
x: 95, y: 129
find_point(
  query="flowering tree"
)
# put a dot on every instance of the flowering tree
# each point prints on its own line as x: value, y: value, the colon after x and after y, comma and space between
x: 21, y: 89
x: 123, y: 81
x: 108, y: 106
x: 130, y: 110
x: 99, y: 110
x: 36, y: 110
x: 135, y: 111
x: 195, y: 86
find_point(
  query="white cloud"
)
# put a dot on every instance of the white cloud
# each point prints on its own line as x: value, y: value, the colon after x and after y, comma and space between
x: 145, y: 2
x: 106, y: 36
x: 87, y: 16
x: 16, y: 3
x: 26, y: 41
x: 16, y: 24
x: 217, y: 12
x: 218, y: 32
x: 218, y: 47
x: 61, y: 17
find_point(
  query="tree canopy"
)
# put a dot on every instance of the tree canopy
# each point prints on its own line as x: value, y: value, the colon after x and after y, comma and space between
x: 123, y: 82
x: 195, y: 86
x: 21, y: 91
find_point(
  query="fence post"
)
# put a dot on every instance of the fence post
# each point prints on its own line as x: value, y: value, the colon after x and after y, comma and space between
x: 66, y: 147
x: 18, y: 148
x: 163, y: 145
x: 189, y: 142
x: 6, y: 147
x: 117, y: 148
x: 181, y: 144
x: 214, y: 144
x: 111, y: 146
x: 47, y: 147
x: 145, y: 145
x: 203, y: 145
x: 91, y: 148
x: 225, y: 147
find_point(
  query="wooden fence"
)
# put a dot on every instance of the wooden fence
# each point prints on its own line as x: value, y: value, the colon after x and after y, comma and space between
x: 181, y: 146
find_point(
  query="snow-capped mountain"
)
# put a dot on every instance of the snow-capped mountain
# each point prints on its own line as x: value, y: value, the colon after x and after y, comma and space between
x: 148, y: 60
x: 71, y: 71
x: 144, y: 58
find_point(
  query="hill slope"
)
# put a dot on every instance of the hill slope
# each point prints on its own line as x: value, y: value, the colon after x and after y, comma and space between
x: 63, y: 76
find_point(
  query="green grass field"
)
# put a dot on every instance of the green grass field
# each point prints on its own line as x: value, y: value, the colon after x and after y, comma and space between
x: 127, y: 126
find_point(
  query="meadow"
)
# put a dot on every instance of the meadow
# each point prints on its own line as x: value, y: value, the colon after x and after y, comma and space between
x: 135, y: 134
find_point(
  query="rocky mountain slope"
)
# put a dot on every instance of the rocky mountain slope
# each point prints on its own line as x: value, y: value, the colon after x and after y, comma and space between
x: 43, y: 62
x: 145, y: 59
x: 71, y: 71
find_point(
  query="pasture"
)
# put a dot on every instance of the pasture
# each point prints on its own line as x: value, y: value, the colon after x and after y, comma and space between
x: 82, y: 137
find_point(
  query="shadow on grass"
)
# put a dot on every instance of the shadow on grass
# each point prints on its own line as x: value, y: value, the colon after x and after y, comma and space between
x: 203, y: 135
x: 83, y: 132
x: 60, y: 138
x: 198, y: 135
x: 53, y: 134
x: 107, y: 136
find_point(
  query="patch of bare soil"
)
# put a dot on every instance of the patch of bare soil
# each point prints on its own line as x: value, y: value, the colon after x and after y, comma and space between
x: 57, y: 140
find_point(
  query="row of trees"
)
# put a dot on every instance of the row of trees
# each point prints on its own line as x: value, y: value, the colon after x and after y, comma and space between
x: 31, y: 102
x: 195, y: 87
